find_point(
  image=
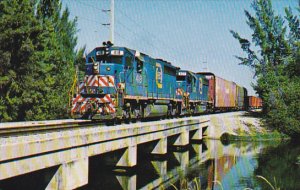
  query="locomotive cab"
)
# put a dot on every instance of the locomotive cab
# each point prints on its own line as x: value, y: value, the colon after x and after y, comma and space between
x: 186, y: 89
x: 193, y: 90
x: 99, y: 95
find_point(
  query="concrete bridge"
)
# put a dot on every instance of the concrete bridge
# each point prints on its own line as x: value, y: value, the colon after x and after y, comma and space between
x: 71, y: 149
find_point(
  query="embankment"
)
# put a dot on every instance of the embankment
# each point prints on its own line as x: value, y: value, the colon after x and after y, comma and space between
x: 239, y: 126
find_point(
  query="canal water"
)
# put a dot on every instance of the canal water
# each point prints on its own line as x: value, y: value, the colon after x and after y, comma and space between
x: 207, y: 165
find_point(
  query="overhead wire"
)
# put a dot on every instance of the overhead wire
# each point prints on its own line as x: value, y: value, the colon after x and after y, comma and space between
x: 101, y: 24
x: 153, y: 35
x: 155, y: 47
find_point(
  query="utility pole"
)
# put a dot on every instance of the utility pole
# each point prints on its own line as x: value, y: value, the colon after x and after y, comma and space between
x: 111, y: 24
x: 112, y: 20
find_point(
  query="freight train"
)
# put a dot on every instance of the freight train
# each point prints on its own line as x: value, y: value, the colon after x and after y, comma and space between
x: 125, y: 84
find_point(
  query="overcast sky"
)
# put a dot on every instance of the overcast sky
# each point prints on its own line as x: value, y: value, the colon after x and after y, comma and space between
x: 191, y: 34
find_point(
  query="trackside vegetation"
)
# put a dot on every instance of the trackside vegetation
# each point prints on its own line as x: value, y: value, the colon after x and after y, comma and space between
x: 37, y: 48
x: 273, y: 53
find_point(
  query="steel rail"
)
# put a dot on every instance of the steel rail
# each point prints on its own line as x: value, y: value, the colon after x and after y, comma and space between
x: 8, y: 129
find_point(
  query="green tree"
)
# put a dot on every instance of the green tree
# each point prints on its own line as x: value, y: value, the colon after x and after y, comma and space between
x: 80, y: 62
x: 18, y: 32
x: 37, y: 41
x: 275, y: 61
x: 59, y: 55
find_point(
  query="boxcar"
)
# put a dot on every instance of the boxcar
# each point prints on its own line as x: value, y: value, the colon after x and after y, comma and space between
x: 222, y: 93
x: 254, y: 102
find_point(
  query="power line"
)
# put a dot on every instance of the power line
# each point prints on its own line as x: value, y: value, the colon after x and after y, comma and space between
x: 84, y: 18
x: 88, y: 5
x: 128, y: 29
x: 136, y: 23
x: 120, y: 23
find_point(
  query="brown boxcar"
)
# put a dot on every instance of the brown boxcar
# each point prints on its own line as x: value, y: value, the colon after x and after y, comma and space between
x: 222, y: 93
x: 254, y: 102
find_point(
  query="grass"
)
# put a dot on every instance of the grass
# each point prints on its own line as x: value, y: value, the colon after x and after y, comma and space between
x: 196, y: 184
x: 271, y: 135
x: 298, y: 160
x: 268, y: 182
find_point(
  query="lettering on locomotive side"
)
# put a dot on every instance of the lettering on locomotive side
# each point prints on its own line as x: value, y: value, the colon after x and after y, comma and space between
x: 159, y: 75
x: 200, y: 85
x: 139, y: 78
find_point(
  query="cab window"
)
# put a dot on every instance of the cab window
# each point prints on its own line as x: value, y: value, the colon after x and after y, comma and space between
x: 139, y: 67
x: 180, y: 78
x: 116, y: 59
x: 128, y: 61
x: 109, y: 59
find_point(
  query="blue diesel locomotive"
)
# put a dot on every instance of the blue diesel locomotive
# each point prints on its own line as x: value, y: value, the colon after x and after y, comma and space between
x: 121, y: 83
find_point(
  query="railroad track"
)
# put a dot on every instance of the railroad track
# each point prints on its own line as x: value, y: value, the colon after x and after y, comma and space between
x: 21, y: 128
x: 14, y: 128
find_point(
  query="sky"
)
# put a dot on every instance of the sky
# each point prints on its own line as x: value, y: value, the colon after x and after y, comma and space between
x: 191, y: 34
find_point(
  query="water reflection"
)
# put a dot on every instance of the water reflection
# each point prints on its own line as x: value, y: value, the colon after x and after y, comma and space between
x: 208, y: 165
x: 211, y: 163
x: 280, y: 165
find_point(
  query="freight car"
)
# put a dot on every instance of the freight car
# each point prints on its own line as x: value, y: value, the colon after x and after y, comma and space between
x: 242, y: 95
x: 224, y: 95
x: 254, y: 102
x: 121, y: 83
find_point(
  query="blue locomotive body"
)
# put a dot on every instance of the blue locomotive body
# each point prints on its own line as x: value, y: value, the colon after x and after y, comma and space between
x: 193, y: 90
x: 121, y: 83
x: 124, y: 83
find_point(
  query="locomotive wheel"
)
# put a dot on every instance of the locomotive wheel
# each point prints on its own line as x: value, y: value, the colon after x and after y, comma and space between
x: 127, y: 115
x: 173, y: 113
x: 169, y: 113
x: 110, y: 122
x: 136, y: 114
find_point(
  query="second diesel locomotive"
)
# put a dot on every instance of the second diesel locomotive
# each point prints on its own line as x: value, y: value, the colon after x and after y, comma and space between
x: 121, y: 83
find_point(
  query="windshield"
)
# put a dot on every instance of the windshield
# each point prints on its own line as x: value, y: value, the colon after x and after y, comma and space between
x: 180, y: 78
x: 109, y: 59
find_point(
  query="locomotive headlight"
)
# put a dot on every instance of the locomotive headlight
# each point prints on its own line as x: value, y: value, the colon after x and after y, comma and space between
x: 96, y: 67
x: 108, y: 68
